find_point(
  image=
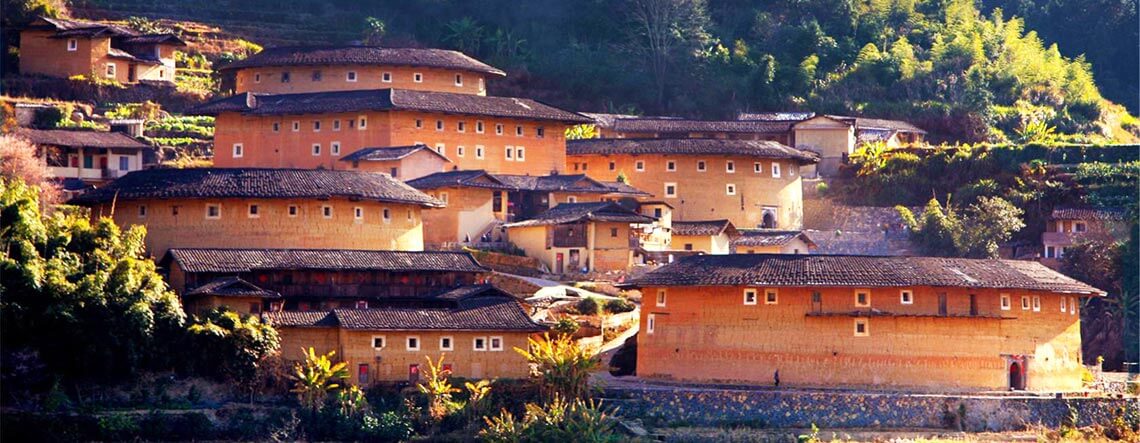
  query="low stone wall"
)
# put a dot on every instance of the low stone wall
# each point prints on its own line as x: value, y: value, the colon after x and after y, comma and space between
x: 664, y: 406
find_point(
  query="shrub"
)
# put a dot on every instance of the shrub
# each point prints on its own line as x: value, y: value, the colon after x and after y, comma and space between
x: 388, y: 426
x: 619, y: 305
x: 558, y: 420
x: 821, y: 188
x: 566, y: 326
x: 588, y: 306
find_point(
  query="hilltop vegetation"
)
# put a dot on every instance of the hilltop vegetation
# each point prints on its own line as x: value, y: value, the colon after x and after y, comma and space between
x: 963, y: 74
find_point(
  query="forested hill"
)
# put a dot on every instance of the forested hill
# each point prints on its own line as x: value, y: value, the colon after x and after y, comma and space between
x: 965, y: 70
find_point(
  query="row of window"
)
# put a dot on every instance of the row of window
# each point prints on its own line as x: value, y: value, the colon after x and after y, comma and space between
x: 702, y: 166
x: 510, y: 153
x: 447, y: 343
x: 906, y: 297
x: 461, y: 126
x: 253, y: 210
x: 361, y: 122
x: 862, y: 325
x: 352, y: 77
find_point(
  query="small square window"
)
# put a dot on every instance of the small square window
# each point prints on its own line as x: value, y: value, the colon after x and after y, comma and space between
x: 510, y: 153
x: 498, y: 129
x: 350, y: 76
x: 519, y: 131
x: 479, y: 127
x: 650, y: 323
x: 316, y: 126
x: 239, y: 150
x: 671, y: 190
x: 730, y: 189
x: 293, y: 210
x: 750, y: 296
x: 111, y: 69
x: 461, y: 127
x: 336, y: 125
x: 386, y: 77
x: 661, y: 298
x: 257, y: 78
x: 441, y: 148
x: 72, y: 44
x: 862, y: 299
x: 459, y: 151
x: 670, y: 166
x: 1063, y: 307
x: 326, y: 211
x: 446, y: 344
x: 285, y: 77
x: 730, y: 167
x: 174, y: 210
x: 479, y: 152
x: 520, y: 153
x: 757, y: 168
x: 316, y: 76
x: 702, y: 166
x: 316, y: 149
x: 334, y: 148
x: 613, y: 166
x: 378, y: 342
x: 417, y: 77
x: 1025, y: 303
x: 363, y: 122
x: 906, y: 297
x: 296, y: 126
x: 479, y: 344
x: 540, y: 132
x: 614, y: 232
x: 419, y: 123
x: 458, y: 79
x: 862, y: 327
x: 413, y: 343
x: 254, y: 211
x: 358, y: 213
x: 142, y: 211
x: 639, y: 166
x: 775, y: 170
x: 1073, y: 305
x: 1036, y: 303
x: 439, y: 125
x: 496, y: 343
x: 276, y: 127
x: 1005, y: 302
x: 771, y: 297
x: 387, y: 215
x: 213, y: 211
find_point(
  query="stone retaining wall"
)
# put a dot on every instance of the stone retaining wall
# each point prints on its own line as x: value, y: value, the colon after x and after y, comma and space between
x: 788, y: 409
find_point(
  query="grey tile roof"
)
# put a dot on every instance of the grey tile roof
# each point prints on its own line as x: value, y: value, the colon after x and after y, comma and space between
x: 78, y: 28
x: 673, y: 125
x: 625, y: 188
x: 1070, y: 213
x: 386, y: 100
x: 246, y: 260
x: 301, y: 319
x: 389, y: 153
x: 363, y: 55
x: 75, y: 139
x: 232, y: 287
x: 603, y: 120
x: 778, y: 116
x: 578, y: 212
x: 688, y: 146
x: 702, y: 228
x: 463, y: 178
x: 577, y: 183
x: 860, y: 271
x: 864, y: 123
x: 768, y: 237
x: 257, y: 183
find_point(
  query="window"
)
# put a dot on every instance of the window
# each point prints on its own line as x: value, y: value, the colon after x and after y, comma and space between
x: 316, y: 126
x: 276, y: 126
x: 386, y: 77
x: 363, y: 122
x: 362, y: 304
x: 458, y: 79
x: 862, y: 299
x: 459, y: 151
x: 461, y: 127
x: 257, y: 78
x: 362, y: 373
x: 519, y: 131
x: 142, y: 211
x: 671, y: 190
x: 661, y: 298
x: 413, y: 343
x: 862, y: 328
x: 238, y: 150
x: 316, y: 149
x: 520, y: 153
x: 213, y: 211
x: 650, y: 323
x: 419, y: 123
x: 72, y: 44
x: 571, y: 199
x: 670, y: 165
x: 688, y: 246
x: 639, y: 166
x: 292, y: 210
x: 336, y: 125
x: 771, y: 297
x: 730, y: 167
x: 439, y: 125
x: 1079, y: 227
x: 479, y: 152
x: 378, y: 342
x: 540, y: 132
x: 482, y: 87
x: 1063, y: 309
x: 254, y: 210
x: 702, y: 166
x: 757, y: 168
x: 410, y: 216
x: 358, y: 213
x: 124, y: 163
x: 479, y: 344
x: 326, y: 211
x: 906, y: 297
x: 749, y: 296
x: 446, y: 344
x: 387, y: 215
x: 730, y: 189
x: 510, y: 153
x: 316, y: 76
x: 441, y: 148
x: 334, y: 148
x: 496, y: 343
x: 1024, y: 303
x: 296, y: 126
x: 775, y: 170
x: 110, y: 70
x: 394, y: 172
x: 1005, y: 302
x: 613, y: 166
x: 1050, y: 252
x: 1072, y: 305
x: 1036, y: 303
x: 479, y: 126
x: 498, y: 129
x: 614, y: 232
x: 418, y: 77
x: 285, y: 77
x: 350, y: 76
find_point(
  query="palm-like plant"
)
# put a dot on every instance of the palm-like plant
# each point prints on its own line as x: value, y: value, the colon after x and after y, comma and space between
x: 438, y: 388
x: 561, y: 367
x: 317, y: 376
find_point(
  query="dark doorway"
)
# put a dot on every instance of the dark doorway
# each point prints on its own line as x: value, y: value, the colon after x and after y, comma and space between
x: 1016, y: 377
x: 942, y: 303
x: 769, y: 221
x: 132, y: 73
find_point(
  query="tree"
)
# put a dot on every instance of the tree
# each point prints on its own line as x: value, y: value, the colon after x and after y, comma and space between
x: 18, y: 161
x: 464, y: 35
x: 664, y: 31
x: 229, y: 346
x: 316, y: 377
x: 80, y: 293
x: 374, y: 30
x: 977, y: 234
